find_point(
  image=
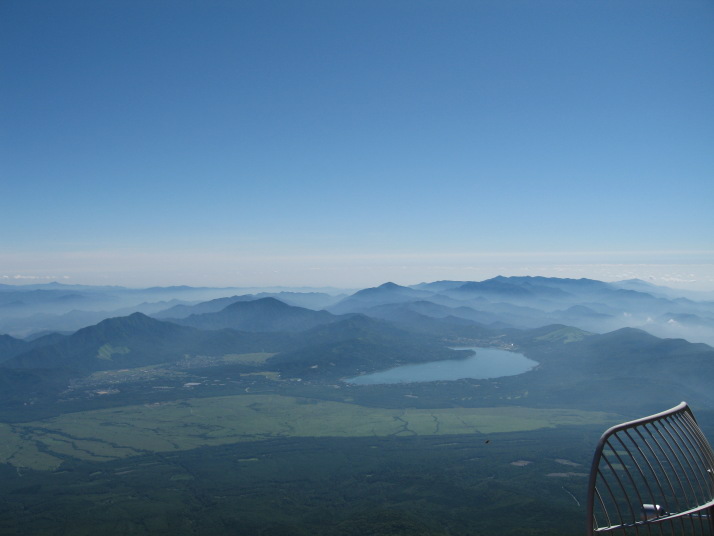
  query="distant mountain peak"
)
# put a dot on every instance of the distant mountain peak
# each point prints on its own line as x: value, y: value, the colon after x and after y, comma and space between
x: 385, y: 293
x: 119, y: 323
x: 391, y: 288
x: 262, y: 315
x: 260, y: 303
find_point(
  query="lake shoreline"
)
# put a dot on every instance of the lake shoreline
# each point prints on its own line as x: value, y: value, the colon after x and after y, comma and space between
x: 486, y: 363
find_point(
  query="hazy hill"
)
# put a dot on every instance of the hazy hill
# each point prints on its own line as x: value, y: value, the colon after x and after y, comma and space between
x: 523, y: 289
x: 15, y: 301
x: 132, y: 341
x: 502, y: 287
x: 18, y: 301
x: 527, y: 302
x: 633, y: 351
x: 586, y: 303
x: 439, y: 286
x: 10, y: 347
x: 586, y: 317
x: 356, y: 326
x: 624, y: 368
x: 38, y: 322
x: 383, y: 294
x: 138, y: 340
x: 357, y: 344
x: 662, y: 291
x: 583, y: 312
x: 535, y: 291
x: 186, y: 310
x: 576, y: 286
x: 418, y: 313
x: 262, y: 315
x: 308, y: 300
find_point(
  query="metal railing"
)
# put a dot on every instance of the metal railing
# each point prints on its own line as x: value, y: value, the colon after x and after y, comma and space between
x: 653, y: 476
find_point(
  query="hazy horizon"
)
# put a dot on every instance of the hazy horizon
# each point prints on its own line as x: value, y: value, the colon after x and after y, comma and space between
x: 684, y: 277
x: 352, y: 143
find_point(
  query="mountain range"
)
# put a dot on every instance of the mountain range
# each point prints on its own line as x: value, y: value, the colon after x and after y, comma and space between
x: 552, y: 321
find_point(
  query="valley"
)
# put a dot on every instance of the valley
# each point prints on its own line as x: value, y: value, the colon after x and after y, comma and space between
x: 188, y: 425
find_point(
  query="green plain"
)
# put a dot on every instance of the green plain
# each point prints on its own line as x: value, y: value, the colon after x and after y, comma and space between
x: 183, y: 425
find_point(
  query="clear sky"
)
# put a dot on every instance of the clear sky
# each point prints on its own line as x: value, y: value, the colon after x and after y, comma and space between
x: 348, y: 143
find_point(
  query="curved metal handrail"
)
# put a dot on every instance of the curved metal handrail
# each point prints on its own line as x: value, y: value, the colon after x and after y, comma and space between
x: 653, y: 475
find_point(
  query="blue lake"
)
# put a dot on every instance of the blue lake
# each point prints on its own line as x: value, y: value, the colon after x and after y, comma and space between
x: 487, y: 363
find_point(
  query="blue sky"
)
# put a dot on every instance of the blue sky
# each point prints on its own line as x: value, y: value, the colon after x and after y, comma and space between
x: 350, y: 143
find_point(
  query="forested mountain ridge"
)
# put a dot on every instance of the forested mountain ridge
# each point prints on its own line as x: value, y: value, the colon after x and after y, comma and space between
x: 132, y: 341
